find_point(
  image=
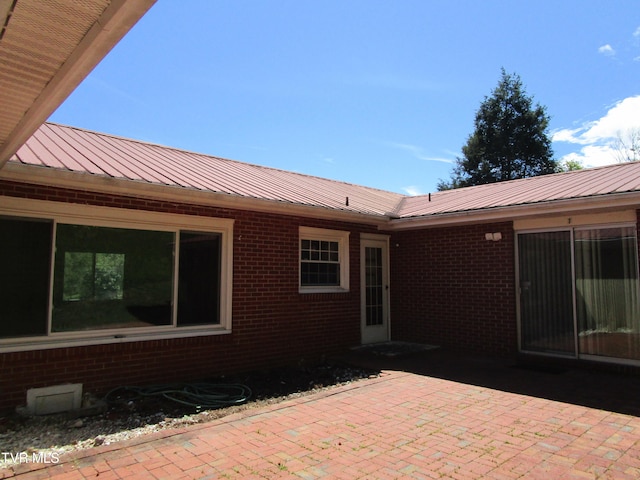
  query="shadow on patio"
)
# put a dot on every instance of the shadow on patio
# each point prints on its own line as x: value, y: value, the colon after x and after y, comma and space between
x: 575, y: 384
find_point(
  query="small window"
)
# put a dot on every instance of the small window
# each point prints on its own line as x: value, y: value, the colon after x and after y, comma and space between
x: 324, y: 260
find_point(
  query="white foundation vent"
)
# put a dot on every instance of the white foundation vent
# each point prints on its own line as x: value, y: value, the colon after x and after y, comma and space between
x: 56, y: 399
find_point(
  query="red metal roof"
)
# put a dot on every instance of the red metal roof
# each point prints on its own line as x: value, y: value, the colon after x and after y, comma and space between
x: 72, y: 149
x: 592, y: 182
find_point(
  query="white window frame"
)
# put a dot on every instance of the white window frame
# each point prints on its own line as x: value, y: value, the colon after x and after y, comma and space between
x: 139, y: 220
x: 322, y: 234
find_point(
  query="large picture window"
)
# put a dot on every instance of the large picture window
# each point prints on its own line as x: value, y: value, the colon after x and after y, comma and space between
x: 111, y: 278
x: 150, y: 276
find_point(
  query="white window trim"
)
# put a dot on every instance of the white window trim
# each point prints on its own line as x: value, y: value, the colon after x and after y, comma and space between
x: 122, y: 218
x: 567, y: 222
x: 339, y: 236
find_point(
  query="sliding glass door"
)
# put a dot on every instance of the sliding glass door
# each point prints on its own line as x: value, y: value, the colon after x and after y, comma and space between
x: 579, y: 292
x: 607, y: 292
x: 546, y: 297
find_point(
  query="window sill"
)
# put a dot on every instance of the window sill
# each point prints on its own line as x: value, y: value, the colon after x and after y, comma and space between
x: 304, y: 290
x: 102, y: 338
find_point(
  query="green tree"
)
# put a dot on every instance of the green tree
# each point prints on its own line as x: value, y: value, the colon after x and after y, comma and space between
x: 510, y: 140
x: 569, y: 166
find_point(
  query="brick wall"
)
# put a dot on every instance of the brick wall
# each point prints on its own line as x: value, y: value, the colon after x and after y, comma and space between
x: 272, y: 323
x: 451, y: 287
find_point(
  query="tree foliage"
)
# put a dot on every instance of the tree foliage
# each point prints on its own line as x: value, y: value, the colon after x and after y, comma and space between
x: 570, y: 165
x: 510, y: 140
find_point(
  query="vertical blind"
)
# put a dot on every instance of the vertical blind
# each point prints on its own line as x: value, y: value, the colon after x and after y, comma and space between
x: 607, y: 292
x: 602, y: 278
x: 546, y: 299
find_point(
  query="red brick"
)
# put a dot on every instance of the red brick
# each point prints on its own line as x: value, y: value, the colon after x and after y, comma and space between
x: 272, y: 323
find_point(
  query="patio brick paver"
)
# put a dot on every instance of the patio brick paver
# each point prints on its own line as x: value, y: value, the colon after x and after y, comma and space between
x: 399, y: 425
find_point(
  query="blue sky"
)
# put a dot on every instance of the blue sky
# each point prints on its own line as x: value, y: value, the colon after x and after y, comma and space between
x: 380, y: 93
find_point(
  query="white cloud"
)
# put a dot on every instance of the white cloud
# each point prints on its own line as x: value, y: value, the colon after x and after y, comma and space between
x: 598, y: 138
x: 418, y: 153
x: 592, y: 156
x: 637, y: 32
x: 412, y: 190
x: 607, y: 50
x: 567, y: 135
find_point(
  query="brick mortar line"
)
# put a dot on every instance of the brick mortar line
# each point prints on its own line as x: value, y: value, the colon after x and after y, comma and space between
x: 74, y: 456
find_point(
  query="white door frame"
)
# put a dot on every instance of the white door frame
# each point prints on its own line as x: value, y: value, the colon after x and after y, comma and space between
x: 382, y: 332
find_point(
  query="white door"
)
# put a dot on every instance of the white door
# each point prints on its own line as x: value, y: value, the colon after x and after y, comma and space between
x: 374, y: 274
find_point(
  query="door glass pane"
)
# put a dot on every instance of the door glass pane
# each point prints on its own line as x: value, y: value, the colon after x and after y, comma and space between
x: 546, y: 297
x: 374, y: 286
x: 607, y: 292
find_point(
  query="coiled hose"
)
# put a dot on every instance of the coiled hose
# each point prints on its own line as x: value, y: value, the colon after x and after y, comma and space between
x: 196, y: 395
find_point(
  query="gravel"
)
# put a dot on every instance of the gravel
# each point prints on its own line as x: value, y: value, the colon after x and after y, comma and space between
x: 127, y: 415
